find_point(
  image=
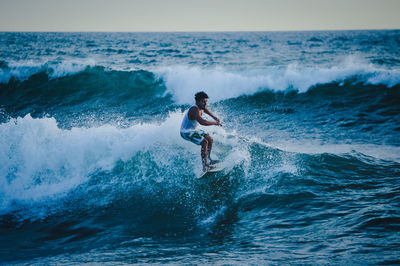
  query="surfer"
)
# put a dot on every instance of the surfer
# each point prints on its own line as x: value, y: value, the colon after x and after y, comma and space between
x: 190, y: 132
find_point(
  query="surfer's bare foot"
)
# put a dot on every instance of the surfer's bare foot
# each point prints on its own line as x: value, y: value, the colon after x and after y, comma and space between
x: 214, y: 161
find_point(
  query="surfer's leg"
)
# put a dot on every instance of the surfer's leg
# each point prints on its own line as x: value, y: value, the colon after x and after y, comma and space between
x: 210, y: 143
x: 204, y: 152
x: 209, y: 147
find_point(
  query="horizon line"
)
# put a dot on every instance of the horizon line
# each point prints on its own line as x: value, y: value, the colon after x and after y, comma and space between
x: 194, y: 31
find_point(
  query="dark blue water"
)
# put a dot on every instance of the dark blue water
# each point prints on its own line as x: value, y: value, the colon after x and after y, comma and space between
x: 93, y: 169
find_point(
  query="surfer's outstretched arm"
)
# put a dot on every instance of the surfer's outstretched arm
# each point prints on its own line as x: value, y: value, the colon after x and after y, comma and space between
x: 213, y: 116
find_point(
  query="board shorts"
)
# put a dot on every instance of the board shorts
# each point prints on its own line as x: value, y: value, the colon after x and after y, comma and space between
x: 195, y: 136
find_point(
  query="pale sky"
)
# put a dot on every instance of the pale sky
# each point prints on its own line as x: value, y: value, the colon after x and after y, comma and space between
x: 197, y: 15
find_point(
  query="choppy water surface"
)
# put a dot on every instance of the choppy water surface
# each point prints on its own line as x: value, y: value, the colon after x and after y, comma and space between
x: 93, y: 168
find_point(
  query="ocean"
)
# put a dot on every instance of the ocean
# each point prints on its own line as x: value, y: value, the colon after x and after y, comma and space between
x: 93, y: 168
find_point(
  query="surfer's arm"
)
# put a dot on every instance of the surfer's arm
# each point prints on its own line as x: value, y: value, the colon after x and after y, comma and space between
x: 194, y: 114
x: 204, y: 122
x: 213, y: 116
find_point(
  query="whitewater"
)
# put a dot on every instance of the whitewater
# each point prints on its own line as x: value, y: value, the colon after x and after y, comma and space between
x: 93, y: 169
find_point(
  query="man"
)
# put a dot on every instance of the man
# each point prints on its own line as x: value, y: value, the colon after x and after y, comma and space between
x: 189, y: 130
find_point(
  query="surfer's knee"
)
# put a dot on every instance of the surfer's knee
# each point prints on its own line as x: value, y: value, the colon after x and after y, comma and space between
x: 209, y: 139
x: 204, y: 142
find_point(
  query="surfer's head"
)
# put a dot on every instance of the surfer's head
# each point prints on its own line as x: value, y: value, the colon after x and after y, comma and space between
x: 201, y: 99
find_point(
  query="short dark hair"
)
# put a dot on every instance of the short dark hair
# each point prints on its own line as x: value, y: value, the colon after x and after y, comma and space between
x: 200, y: 96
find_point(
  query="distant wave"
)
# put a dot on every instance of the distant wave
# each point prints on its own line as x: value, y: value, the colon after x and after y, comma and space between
x: 93, y: 86
x: 181, y: 82
x: 25, y: 69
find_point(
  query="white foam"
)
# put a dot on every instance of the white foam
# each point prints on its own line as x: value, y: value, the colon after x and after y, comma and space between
x: 66, y: 68
x: 183, y: 82
x: 40, y: 160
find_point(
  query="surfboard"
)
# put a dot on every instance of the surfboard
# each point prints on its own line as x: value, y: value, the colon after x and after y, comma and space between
x: 210, y: 172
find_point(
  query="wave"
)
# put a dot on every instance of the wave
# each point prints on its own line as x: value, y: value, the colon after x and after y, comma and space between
x: 182, y: 81
x: 92, y: 88
x: 40, y: 160
x: 45, y: 168
x: 97, y: 86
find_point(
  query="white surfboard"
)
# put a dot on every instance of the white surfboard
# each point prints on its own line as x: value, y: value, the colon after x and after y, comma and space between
x: 210, y: 172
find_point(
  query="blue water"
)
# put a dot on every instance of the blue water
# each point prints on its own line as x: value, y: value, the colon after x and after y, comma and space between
x: 93, y: 169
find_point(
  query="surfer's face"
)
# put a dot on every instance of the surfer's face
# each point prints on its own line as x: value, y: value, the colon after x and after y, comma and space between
x: 202, y: 103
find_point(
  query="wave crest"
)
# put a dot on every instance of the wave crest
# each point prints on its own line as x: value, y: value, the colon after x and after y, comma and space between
x: 182, y: 82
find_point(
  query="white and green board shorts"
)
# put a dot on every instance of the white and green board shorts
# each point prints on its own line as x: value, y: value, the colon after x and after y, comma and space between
x: 195, y: 136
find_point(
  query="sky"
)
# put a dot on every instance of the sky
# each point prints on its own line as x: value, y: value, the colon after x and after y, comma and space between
x: 197, y: 15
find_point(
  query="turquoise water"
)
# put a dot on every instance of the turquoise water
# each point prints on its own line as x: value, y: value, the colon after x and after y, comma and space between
x: 93, y: 169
